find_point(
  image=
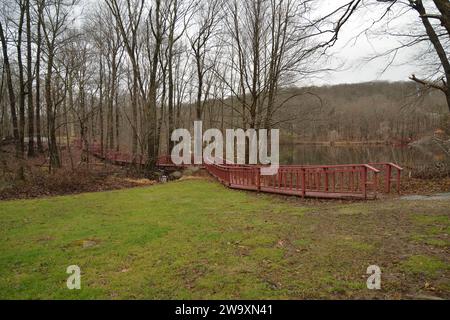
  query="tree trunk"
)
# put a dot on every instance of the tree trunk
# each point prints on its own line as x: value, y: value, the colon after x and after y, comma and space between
x: 31, y: 152
x: 434, y: 38
x: 171, y: 89
x: 100, y: 107
x: 21, y: 82
x: 52, y: 143
x: 135, y: 101
x: 38, y: 79
x: 444, y: 8
x: 117, y: 122
x: 152, y: 143
x: 111, y: 103
x: 11, y: 94
x: 2, y: 117
x: 199, y: 107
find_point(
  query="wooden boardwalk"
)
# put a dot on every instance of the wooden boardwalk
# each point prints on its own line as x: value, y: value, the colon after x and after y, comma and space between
x: 353, y: 181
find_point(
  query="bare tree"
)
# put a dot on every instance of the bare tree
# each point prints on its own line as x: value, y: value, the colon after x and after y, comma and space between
x: 30, y: 113
x: 272, y: 48
x: 40, y: 7
x: 11, y: 94
x: 207, y: 17
x: 177, y: 12
x: 436, y: 34
x: 157, y: 21
x: 128, y: 16
x: 55, y: 19
x: 433, y: 32
x: 22, y: 83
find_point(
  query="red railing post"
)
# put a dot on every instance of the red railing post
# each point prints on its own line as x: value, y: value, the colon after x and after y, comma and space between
x: 399, y: 177
x: 303, y: 182
x: 258, y: 179
x: 279, y: 178
x: 388, y: 178
x: 364, y: 182
x: 375, y: 184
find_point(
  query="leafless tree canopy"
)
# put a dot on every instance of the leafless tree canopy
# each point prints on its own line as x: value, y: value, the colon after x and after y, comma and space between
x: 126, y: 73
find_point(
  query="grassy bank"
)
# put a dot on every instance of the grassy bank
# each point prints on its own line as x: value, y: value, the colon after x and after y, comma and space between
x: 196, y: 239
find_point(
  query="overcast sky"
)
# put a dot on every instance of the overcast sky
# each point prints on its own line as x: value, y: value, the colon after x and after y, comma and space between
x: 351, y: 52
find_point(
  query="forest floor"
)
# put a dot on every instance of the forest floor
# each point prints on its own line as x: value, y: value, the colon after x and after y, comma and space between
x: 74, y: 177
x: 195, y: 239
x: 410, y: 186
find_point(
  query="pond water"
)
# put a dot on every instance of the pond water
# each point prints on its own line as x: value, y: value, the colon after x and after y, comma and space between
x: 407, y: 157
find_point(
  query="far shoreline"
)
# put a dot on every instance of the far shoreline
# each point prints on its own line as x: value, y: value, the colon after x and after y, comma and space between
x: 346, y: 143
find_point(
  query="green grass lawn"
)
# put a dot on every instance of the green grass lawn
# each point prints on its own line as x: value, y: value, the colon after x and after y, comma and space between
x: 195, y: 239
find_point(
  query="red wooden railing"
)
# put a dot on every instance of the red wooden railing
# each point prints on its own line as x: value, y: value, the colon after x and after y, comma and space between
x: 334, y: 181
x: 392, y: 173
x: 359, y: 181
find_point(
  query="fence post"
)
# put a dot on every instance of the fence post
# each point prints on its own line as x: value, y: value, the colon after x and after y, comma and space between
x: 258, y: 179
x: 303, y: 182
x: 375, y: 184
x: 364, y: 182
x: 399, y: 177
x: 388, y: 178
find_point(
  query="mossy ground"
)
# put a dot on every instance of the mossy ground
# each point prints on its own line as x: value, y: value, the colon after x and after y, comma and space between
x: 198, y: 240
